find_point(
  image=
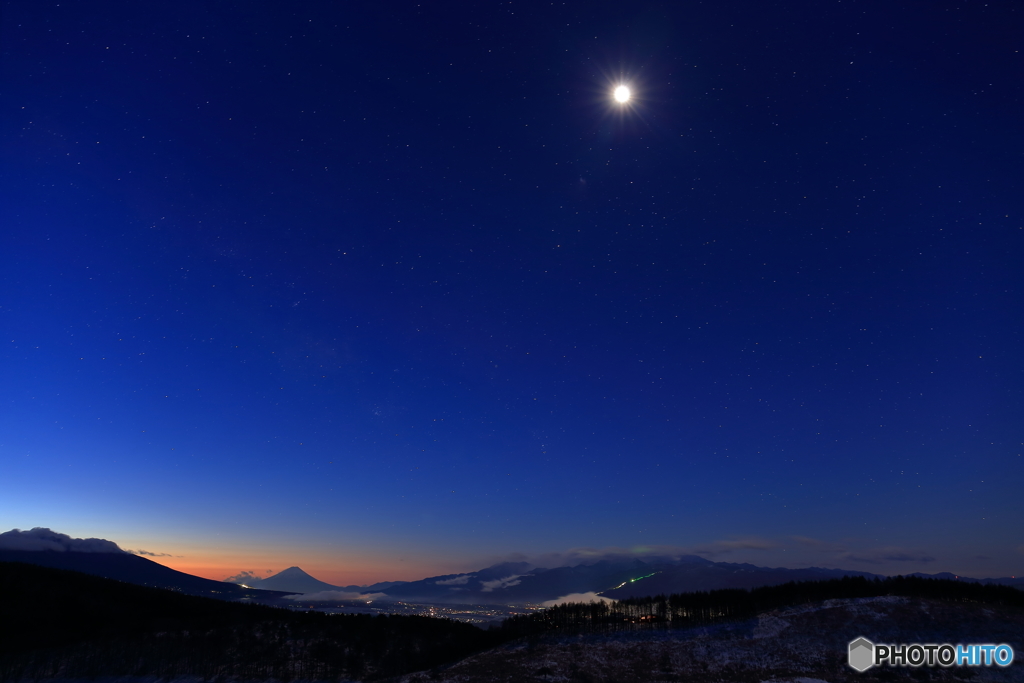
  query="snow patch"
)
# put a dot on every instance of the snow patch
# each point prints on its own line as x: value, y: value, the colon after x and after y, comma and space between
x: 769, y: 626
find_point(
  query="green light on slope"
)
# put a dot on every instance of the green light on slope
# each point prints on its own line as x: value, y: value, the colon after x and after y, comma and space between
x: 634, y: 580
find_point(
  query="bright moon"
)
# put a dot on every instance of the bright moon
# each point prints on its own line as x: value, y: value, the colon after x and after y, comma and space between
x: 621, y: 94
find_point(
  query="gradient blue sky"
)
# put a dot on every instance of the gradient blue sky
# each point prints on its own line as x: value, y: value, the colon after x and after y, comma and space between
x: 395, y: 289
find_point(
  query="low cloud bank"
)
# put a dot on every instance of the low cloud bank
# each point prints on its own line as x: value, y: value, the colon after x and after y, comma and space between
x: 246, y: 577
x: 147, y: 553
x: 335, y: 595
x: 41, y: 538
x: 576, y: 597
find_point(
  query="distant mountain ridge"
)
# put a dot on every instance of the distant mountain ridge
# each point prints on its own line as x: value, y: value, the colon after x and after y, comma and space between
x: 519, y: 583
x: 508, y: 583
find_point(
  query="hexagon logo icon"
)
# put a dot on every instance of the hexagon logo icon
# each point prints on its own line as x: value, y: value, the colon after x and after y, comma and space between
x: 862, y: 654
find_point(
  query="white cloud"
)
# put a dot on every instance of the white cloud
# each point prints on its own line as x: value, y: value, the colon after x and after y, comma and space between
x: 490, y: 586
x: 244, y: 577
x: 335, y: 595
x: 576, y: 597
x: 148, y: 553
x: 41, y: 538
x: 457, y: 581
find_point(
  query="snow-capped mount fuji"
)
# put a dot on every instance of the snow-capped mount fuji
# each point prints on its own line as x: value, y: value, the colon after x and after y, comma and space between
x: 293, y: 580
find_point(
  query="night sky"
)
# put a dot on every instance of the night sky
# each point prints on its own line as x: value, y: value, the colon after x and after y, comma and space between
x: 392, y: 289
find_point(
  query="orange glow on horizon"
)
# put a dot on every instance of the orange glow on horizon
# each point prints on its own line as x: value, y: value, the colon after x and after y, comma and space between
x: 336, y: 564
x: 338, y: 573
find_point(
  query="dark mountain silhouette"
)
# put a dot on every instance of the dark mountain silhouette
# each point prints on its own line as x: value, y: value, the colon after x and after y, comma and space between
x: 480, y: 586
x: 134, y: 569
x: 518, y: 583
x: 588, y: 578
x: 379, y: 586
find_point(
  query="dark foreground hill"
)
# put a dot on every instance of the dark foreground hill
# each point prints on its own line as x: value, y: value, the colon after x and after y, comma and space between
x: 740, y: 636
x: 62, y: 624
x: 130, y: 568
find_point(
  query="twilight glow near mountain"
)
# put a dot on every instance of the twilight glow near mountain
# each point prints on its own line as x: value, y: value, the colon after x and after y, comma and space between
x: 395, y: 290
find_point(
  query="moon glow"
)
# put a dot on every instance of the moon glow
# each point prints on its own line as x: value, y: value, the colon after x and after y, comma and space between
x: 621, y: 94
